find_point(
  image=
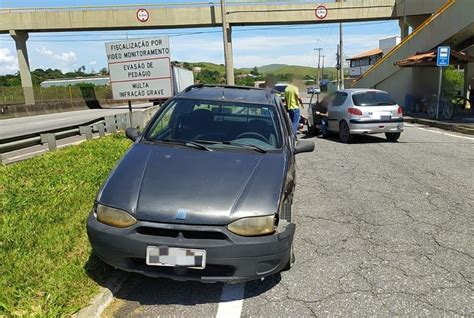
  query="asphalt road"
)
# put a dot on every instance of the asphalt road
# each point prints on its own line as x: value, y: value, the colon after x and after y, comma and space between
x: 382, y: 229
x: 33, y: 124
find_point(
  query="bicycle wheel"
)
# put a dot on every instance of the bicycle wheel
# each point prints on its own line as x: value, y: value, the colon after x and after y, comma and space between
x: 448, y: 110
x: 432, y: 109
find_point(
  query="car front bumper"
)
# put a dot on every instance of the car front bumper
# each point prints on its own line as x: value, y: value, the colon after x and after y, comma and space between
x: 229, y: 257
x: 376, y: 126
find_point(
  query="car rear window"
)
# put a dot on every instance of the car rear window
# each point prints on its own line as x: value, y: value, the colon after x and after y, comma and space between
x: 372, y: 98
x: 280, y: 88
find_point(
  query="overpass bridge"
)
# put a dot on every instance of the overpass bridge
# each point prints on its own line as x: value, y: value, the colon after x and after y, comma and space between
x: 453, y: 25
x: 19, y: 22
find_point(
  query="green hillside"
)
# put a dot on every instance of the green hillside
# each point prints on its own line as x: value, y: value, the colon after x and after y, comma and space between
x: 297, y: 70
x: 267, y: 69
x: 214, y: 73
x: 208, y: 66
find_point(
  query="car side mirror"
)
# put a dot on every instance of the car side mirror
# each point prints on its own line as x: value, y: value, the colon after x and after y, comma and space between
x: 132, y: 133
x: 304, y: 146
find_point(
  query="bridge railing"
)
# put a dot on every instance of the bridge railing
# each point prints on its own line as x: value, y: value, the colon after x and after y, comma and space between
x: 153, y: 6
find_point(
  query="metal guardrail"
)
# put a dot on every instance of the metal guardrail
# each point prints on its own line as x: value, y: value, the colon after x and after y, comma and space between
x: 49, y: 138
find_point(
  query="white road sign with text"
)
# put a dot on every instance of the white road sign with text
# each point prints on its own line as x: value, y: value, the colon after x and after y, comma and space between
x: 140, y: 68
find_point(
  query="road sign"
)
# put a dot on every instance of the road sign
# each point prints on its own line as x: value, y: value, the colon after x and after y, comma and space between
x: 140, y: 68
x: 444, y: 53
x: 321, y: 12
x: 143, y: 15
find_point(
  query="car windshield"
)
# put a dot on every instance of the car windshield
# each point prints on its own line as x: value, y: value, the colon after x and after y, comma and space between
x: 372, y: 98
x: 218, y: 124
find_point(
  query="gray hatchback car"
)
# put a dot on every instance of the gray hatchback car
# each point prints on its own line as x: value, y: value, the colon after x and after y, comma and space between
x: 205, y: 192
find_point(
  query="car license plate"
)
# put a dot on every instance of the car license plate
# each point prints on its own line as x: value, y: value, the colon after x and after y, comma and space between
x: 385, y: 117
x: 174, y: 256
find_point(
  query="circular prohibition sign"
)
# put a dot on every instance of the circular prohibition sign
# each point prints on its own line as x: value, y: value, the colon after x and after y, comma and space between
x: 321, y: 12
x: 143, y: 15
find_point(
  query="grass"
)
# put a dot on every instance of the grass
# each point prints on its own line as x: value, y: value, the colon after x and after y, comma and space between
x: 46, y: 266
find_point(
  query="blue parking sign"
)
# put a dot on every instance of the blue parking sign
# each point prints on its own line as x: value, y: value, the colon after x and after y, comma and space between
x: 444, y: 52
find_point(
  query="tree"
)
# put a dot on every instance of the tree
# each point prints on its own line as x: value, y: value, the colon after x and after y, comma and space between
x: 187, y: 66
x: 453, y: 81
x: 104, y: 71
x: 254, y: 71
x: 208, y: 77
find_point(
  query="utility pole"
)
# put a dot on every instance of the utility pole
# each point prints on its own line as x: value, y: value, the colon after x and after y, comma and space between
x: 322, y: 69
x: 338, y: 67
x: 226, y: 30
x: 341, y: 55
x: 319, y: 63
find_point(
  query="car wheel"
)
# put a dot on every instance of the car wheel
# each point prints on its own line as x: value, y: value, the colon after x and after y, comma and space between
x: 344, y: 132
x: 392, y: 137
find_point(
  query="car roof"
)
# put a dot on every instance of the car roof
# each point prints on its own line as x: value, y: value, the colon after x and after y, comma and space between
x: 361, y: 90
x: 241, y: 94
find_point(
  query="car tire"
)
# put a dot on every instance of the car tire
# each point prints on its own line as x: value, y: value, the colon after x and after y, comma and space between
x: 392, y: 137
x: 344, y: 132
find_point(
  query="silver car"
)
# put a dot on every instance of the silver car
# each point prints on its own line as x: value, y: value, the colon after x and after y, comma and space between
x: 362, y: 111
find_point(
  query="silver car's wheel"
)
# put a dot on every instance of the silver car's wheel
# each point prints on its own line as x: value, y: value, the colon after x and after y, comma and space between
x: 344, y: 132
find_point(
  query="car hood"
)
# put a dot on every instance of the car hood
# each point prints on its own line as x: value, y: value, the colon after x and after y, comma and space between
x: 154, y: 182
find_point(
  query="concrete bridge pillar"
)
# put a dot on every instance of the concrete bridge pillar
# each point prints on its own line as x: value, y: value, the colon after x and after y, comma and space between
x: 228, y: 54
x: 404, y: 28
x: 20, y: 38
x: 416, y: 20
x: 469, y: 77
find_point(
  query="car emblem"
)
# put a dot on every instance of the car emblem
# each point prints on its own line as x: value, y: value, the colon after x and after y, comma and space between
x: 181, y: 214
x: 371, y: 113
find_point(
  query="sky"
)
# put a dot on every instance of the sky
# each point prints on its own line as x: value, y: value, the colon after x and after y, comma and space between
x: 252, y: 46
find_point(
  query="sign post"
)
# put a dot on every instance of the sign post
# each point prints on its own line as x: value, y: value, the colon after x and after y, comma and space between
x: 140, y: 69
x: 442, y: 60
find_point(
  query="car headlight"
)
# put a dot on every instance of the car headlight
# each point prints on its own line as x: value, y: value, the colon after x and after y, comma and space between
x: 253, y: 226
x: 114, y: 217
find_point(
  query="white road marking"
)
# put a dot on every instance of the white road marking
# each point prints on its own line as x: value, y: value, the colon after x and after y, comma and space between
x: 232, y: 299
x: 440, y: 132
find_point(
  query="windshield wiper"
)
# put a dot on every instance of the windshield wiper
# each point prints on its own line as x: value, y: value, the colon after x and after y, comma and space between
x: 236, y: 144
x: 385, y: 104
x: 182, y: 142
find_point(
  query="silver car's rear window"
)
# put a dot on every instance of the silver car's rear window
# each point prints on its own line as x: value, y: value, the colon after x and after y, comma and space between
x: 372, y: 98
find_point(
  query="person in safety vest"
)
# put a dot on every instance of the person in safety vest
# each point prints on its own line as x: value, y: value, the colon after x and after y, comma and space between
x: 293, y: 102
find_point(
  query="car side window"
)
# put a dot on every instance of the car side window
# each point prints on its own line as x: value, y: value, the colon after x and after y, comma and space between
x: 327, y: 101
x: 339, y: 99
x: 163, y: 122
